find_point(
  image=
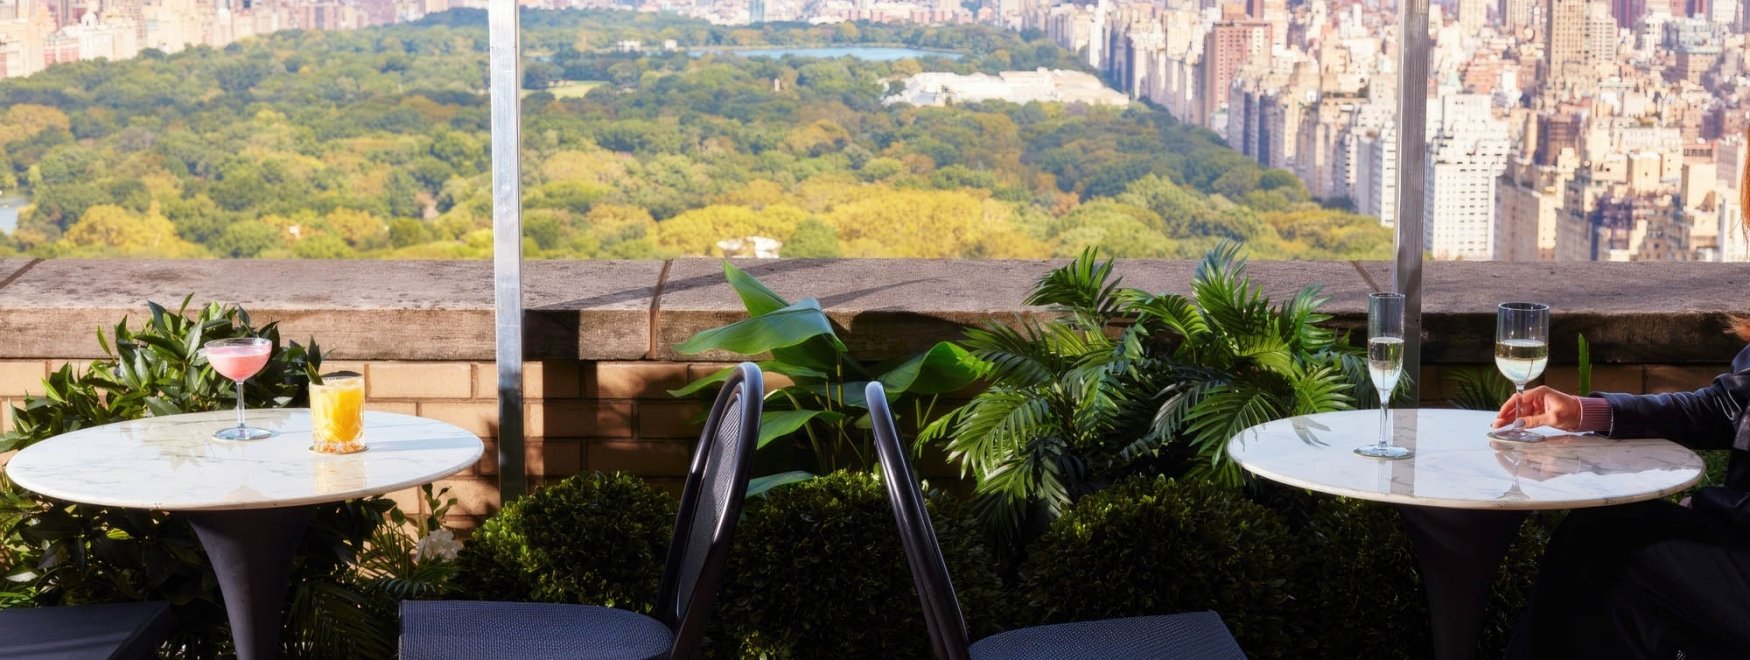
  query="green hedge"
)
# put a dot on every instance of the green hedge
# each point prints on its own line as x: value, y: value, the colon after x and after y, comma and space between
x: 596, y: 538
x: 819, y: 572
x: 1160, y: 546
x: 1360, y: 589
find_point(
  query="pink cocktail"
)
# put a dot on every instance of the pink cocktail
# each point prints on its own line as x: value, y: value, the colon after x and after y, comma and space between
x: 239, y: 359
x: 237, y: 362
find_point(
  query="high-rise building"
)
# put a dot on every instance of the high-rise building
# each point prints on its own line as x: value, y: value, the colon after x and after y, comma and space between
x: 1472, y: 16
x: 1467, y: 150
x: 1628, y: 13
x: 1516, y: 15
x: 756, y: 11
x: 1601, y: 35
x: 1229, y: 45
x: 1564, y: 57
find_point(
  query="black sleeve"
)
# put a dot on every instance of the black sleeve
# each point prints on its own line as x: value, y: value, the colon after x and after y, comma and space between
x: 1731, y: 505
x: 1703, y: 419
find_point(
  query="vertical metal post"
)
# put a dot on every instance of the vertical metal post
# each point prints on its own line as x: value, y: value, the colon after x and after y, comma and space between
x: 507, y: 238
x: 1412, y: 177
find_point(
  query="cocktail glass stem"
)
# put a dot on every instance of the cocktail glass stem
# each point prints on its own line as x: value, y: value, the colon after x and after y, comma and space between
x: 240, y: 424
x: 1384, y: 419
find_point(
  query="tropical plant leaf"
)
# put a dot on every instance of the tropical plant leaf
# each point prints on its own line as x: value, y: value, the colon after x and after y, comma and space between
x: 756, y: 297
x: 946, y: 367
x: 776, y: 424
x: 758, y: 486
x: 1085, y: 286
x: 1479, y: 388
x: 782, y: 328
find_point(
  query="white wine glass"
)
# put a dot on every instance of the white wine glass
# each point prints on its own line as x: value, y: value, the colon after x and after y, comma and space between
x: 1385, y: 365
x: 1521, y: 353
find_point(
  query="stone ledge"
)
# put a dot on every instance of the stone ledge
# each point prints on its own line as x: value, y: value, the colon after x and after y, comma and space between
x: 1668, y: 313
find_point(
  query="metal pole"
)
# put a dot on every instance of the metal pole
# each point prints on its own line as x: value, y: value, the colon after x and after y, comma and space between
x: 1412, y: 177
x: 507, y: 243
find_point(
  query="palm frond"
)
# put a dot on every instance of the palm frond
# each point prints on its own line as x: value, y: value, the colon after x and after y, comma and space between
x: 1479, y: 389
x: 1318, y: 388
x: 1224, y: 413
x: 1085, y: 286
x: 1010, y: 355
x: 1301, y: 320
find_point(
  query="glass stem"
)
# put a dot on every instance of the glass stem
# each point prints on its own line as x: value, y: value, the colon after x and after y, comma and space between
x: 1519, y: 401
x: 1384, y: 419
x: 240, y: 404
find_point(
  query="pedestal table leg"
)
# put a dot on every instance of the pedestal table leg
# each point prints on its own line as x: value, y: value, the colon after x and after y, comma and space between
x: 251, y: 551
x: 1459, y: 551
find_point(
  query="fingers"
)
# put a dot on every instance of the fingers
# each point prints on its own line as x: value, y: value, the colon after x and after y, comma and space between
x: 1509, y: 411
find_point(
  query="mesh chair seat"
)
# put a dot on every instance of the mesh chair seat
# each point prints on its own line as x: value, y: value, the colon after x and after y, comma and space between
x: 1191, y: 635
x: 439, y: 629
x: 116, y: 631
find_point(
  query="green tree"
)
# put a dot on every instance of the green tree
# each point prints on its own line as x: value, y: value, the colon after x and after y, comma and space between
x: 245, y: 240
x: 813, y: 239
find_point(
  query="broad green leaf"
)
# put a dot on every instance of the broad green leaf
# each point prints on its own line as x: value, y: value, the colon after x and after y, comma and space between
x: 757, y: 486
x: 795, y: 372
x: 694, y: 387
x: 758, y: 299
x: 946, y: 367
x: 783, y: 328
x: 776, y: 424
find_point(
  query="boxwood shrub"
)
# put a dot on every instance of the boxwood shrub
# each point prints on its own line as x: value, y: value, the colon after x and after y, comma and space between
x: 1161, y: 546
x: 1360, y: 590
x: 595, y: 538
x: 818, y: 572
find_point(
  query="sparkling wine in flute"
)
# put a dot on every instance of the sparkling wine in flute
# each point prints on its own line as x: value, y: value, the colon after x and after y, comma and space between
x: 1521, y: 360
x: 1385, y: 365
x: 1385, y: 362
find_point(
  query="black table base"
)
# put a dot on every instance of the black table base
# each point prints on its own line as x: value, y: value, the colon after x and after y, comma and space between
x: 1460, y: 551
x: 251, y: 551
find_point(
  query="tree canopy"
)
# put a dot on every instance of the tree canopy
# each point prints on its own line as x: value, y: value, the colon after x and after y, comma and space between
x: 372, y: 143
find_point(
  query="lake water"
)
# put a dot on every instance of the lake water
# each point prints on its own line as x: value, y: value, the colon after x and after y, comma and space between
x: 870, y: 53
x: 9, y: 213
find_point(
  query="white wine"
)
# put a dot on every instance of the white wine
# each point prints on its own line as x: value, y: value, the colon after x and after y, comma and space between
x: 1521, y: 360
x: 1385, y: 362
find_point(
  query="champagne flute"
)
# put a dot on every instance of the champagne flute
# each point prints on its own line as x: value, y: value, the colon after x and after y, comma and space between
x: 1521, y: 353
x: 238, y: 359
x: 1385, y: 364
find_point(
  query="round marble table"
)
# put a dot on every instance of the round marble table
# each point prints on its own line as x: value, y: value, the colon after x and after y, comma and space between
x: 1463, y: 494
x: 249, y: 501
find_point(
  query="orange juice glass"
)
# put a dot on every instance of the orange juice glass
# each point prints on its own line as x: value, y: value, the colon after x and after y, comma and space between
x: 337, y: 409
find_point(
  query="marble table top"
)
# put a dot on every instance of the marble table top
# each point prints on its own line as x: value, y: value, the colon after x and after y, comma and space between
x: 1458, y: 466
x: 173, y: 463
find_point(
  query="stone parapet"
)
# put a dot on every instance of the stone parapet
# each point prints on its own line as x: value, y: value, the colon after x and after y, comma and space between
x: 600, y: 335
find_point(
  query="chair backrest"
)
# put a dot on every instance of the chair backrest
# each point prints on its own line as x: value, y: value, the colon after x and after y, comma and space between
x: 922, y: 552
x: 710, y: 506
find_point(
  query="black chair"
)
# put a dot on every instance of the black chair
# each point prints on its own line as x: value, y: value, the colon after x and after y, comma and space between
x: 1193, y: 635
x: 112, y: 631
x: 710, y: 504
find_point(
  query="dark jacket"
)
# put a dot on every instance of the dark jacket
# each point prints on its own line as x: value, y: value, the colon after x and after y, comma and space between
x: 1709, y: 418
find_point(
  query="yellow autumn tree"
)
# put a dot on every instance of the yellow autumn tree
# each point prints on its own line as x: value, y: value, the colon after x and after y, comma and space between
x: 756, y: 194
x: 933, y: 224
x: 697, y: 232
x: 359, y: 229
x: 23, y: 120
x: 112, y: 231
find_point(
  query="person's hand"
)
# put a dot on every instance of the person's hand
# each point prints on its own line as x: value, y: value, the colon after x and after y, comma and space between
x: 1542, y: 406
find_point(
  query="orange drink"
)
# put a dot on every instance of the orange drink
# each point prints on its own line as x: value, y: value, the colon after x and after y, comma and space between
x: 337, y: 408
